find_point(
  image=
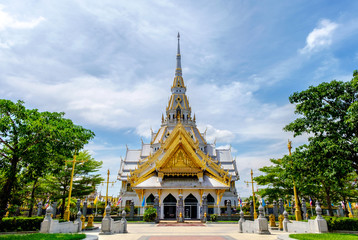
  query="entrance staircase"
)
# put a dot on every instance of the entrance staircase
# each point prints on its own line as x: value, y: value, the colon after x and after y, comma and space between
x: 173, y: 223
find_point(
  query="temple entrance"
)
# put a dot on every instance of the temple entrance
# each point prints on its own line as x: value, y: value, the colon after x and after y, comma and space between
x: 170, y: 207
x: 150, y: 200
x: 190, y: 207
x: 211, y: 204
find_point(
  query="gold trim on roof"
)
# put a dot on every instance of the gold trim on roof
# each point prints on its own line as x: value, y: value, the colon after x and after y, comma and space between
x: 179, y: 155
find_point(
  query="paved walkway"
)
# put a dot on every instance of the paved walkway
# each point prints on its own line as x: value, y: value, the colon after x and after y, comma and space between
x: 207, y: 232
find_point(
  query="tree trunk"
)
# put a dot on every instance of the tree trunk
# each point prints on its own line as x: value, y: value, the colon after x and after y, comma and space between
x: 345, y: 206
x: 32, y: 200
x: 344, y: 198
x: 328, y: 199
x: 9, y: 184
x: 63, y: 207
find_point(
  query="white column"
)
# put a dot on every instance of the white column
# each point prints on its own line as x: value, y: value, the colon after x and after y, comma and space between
x: 162, y: 211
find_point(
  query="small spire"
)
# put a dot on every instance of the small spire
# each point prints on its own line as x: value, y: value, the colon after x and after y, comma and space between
x: 178, y: 52
x: 178, y: 71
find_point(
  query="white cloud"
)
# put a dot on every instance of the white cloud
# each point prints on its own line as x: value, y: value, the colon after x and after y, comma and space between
x: 94, y: 147
x: 219, y: 135
x: 232, y: 112
x: 320, y: 37
x: 98, y: 102
x: 145, y: 128
x: 8, y: 21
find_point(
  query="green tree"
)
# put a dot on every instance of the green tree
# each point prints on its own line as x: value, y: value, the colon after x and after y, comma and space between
x: 85, y: 178
x: 314, y: 165
x: 28, y: 136
x: 328, y: 114
x: 277, y: 181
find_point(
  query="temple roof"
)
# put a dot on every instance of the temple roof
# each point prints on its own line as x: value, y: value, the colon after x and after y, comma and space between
x: 185, y: 183
x: 178, y: 139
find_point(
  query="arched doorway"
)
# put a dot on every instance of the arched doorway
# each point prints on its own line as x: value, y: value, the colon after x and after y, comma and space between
x: 190, y: 207
x: 150, y: 200
x: 170, y: 206
x: 211, y: 204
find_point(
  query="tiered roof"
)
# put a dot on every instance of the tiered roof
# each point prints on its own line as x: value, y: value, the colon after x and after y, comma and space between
x: 178, y: 149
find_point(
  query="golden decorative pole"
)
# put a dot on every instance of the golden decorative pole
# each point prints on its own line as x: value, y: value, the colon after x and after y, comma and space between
x: 253, y: 192
x: 298, y: 209
x: 67, y: 211
x: 107, y: 182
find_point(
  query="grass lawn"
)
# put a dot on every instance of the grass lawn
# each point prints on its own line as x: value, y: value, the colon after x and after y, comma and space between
x: 325, y: 236
x: 43, y: 236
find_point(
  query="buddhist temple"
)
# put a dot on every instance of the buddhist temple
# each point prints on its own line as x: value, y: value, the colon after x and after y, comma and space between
x: 178, y: 161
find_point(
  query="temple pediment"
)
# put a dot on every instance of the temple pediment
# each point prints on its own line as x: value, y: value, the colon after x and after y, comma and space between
x: 179, y: 155
x: 180, y: 164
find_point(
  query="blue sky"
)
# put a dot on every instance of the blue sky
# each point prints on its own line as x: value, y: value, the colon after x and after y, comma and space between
x: 109, y: 66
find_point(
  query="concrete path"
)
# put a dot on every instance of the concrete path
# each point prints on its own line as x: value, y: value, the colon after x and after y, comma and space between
x: 207, y: 232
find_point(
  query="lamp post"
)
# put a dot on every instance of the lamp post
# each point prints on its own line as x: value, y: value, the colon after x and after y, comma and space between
x: 253, y: 192
x: 67, y: 211
x: 298, y: 209
x: 107, y: 182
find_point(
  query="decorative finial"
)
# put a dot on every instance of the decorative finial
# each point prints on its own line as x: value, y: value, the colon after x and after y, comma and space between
x: 289, y: 146
x: 178, y: 35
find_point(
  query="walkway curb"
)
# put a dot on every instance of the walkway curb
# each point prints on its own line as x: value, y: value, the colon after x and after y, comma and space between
x: 91, y: 237
x: 284, y: 236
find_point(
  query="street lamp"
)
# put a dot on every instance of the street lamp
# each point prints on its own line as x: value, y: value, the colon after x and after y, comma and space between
x: 298, y: 209
x: 253, y: 192
x: 67, y: 211
x: 107, y: 182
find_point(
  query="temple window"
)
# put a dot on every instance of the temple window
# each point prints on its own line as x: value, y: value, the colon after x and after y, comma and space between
x: 129, y: 189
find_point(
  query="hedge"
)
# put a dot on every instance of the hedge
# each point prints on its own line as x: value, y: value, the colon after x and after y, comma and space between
x: 342, y: 223
x: 44, y: 236
x: 13, y: 224
x: 339, y: 223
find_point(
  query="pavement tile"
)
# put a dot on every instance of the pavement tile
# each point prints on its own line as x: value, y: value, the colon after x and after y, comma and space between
x: 206, y: 232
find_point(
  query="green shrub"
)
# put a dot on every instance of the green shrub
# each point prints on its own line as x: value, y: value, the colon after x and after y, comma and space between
x: 150, y: 214
x: 323, y: 236
x: 342, y: 223
x: 14, y: 224
x: 213, y: 217
x: 44, y: 236
x: 114, y: 209
x: 127, y: 209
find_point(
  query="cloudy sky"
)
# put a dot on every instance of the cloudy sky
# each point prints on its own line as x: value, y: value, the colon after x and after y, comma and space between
x: 109, y: 66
